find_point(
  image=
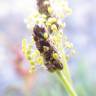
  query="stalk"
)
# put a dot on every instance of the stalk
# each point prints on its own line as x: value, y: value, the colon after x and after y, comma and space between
x: 67, y: 85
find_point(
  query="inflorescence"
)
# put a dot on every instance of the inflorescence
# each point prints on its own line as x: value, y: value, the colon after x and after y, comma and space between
x: 47, y: 37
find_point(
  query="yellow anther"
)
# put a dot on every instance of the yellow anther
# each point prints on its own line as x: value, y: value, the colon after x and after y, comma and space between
x: 32, y: 62
x: 68, y: 45
x: 30, y: 46
x: 45, y: 35
x: 55, y: 55
x: 23, y: 42
x: 24, y: 45
x: 48, y: 24
x: 29, y: 51
x: 44, y: 16
x: 52, y: 20
x: 24, y: 51
x: 53, y: 27
x: 50, y: 10
x: 40, y: 60
x: 28, y: 56
x: 36, y: 15
x: 45, y: 48
x: 37, y: 52
x: 32, y: 69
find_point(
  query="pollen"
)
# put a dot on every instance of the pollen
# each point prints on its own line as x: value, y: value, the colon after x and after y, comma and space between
x: 32, y: 62
x: 24, y: 45
x: 54, y: 28
x: 48, y: 24
x: 63, y: 25
x: 55, y: 55
x: 32, y: 68
x: 45, y: 35
x: 68, y: 45
x: 29, y: 51
x: 50, y: 10
x: 37, y: 52
x: 34, y: 54
x: 40, y: 60
x: 28, y: 56
x: 52, y: 20
x: 44, y: 16
x: 45, y: 48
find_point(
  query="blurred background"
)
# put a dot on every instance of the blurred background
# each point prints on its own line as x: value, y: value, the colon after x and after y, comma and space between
x: 81, y: 31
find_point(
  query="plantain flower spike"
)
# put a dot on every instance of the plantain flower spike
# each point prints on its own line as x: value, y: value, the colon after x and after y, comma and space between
x: 47, y: 37
x: 49, y: 46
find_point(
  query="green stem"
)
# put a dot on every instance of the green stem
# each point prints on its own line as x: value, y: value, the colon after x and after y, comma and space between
x: 66, y: 83
x: 66, y: 72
